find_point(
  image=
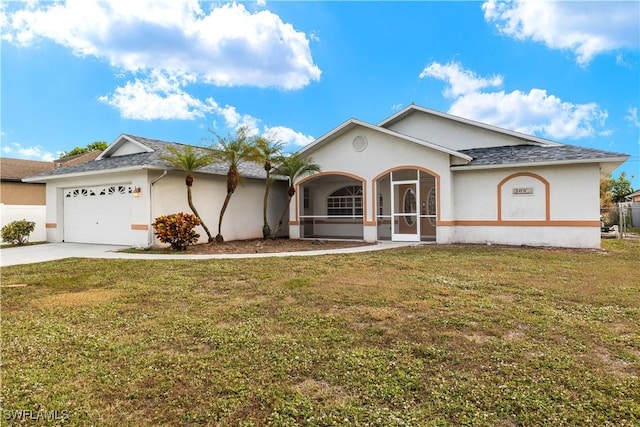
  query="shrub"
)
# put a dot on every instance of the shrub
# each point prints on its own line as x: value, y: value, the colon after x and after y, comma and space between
x: 17, y: 232
x: 177, y: 229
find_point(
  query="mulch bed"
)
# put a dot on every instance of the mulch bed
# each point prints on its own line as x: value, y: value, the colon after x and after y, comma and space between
x: 271, y: 246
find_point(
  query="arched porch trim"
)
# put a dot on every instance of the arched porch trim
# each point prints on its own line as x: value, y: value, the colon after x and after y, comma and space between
x: 421, y: 169
x: 365, y: 203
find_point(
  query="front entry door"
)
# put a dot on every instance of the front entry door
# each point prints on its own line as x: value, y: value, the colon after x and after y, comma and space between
x: 405, y: 216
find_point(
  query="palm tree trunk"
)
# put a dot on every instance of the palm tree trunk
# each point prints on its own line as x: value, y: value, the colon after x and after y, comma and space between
x: 266, y: 230
x: 232, y: 184
x: 195, y: 212
x: 284, y: 212
x: 219, y: 237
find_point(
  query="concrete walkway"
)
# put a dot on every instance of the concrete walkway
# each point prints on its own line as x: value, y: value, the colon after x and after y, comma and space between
x: 55, y: 251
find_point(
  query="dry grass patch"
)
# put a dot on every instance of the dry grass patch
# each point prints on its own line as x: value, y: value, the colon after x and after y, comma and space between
x: 78, y: 299
x: 321, y: 391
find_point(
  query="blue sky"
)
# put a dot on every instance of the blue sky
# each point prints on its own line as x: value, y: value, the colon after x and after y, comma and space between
x: 80, y: 71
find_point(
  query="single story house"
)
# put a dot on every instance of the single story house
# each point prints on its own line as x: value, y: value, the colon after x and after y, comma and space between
x: 115, y: 198
x: 633, y: 197
x: 15, y: 192
x: 20, y: 200
x: 419, y: 175
x: 27, y: 200
x: 633, y: 200
x: 422, y: 175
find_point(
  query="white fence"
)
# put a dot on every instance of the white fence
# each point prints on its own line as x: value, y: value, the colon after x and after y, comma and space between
x: 35, y: 213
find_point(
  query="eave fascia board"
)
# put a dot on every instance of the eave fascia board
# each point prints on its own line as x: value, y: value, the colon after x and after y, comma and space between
x: 618, y: 160
x: 337, y: 131
x: 85, y: 173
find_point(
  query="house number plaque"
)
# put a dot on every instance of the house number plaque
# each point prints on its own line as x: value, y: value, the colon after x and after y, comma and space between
x: 522, y: 191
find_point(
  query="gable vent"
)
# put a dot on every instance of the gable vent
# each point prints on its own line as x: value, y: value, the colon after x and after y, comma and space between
x: 360, y: 143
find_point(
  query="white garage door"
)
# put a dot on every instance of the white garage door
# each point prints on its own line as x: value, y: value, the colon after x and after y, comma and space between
x: 98, y: 214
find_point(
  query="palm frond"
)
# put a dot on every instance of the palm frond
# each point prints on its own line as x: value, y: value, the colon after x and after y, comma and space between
x: 187, y: 158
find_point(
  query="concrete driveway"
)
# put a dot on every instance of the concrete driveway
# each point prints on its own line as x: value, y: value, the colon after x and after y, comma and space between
x: 55, y: 251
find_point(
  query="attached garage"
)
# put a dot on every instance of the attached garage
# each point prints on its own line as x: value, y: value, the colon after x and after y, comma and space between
x: 100, y: 214
x: 115, y: 198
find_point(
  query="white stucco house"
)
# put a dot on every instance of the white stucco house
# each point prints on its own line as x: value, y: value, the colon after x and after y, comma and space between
x: 422, y: 175
x: 419, y: 175
x: 115, y: 198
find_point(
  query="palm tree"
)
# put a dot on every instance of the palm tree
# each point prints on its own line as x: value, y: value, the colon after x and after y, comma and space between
x: 233, y: 150
x: 267, y: 152
x: 293, y: 167
x: 188, y: 160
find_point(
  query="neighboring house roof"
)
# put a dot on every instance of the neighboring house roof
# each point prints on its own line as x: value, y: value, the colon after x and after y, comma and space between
x: 536, y: 155
x: 77, y: 159
x: 635, y: 194
x: 149, y: 156
x: 16, y: 169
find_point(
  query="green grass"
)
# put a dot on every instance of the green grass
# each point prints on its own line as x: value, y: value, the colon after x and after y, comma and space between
x: 435, y: 335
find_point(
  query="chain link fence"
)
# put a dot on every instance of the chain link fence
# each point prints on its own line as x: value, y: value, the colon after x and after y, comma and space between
x: 621, y: 221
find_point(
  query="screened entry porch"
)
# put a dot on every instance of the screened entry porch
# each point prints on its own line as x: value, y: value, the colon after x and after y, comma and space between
x: 335, y: 206
x: 332, y: 207
x: 406, y: 206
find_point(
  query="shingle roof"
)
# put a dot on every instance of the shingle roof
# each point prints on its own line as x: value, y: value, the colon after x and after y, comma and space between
x: 519, y: 154
x: 77, y: 159
x: 16, y: 169
x: 153, y: 159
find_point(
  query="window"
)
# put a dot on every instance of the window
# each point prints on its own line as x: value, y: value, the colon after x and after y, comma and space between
x: 306, y: 198
x: 410, y: 206
x: 346, y: 201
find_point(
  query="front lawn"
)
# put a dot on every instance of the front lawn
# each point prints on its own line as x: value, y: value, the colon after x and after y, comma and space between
x: 433, y: 335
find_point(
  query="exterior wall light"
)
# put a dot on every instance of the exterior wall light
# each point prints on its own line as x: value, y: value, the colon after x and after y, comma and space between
x: 136, y: 192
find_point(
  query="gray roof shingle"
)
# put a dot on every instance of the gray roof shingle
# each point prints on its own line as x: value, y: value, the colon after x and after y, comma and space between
x: 153, y: 159
x: 517, y: 154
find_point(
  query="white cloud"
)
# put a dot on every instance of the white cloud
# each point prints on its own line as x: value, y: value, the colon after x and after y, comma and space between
x: 632, y: 116
x: 460, y: 81
x: 287, y: 136
x: 535, y: 112
x: 36, y: 152
x: 160, y: 96
x: 235, y: 120
x: 587, y: 28
x: 226, y: 45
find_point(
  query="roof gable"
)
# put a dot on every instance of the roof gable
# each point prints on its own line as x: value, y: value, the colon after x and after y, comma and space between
x: 353, y: 123
x: 455, y: 132
x: 124, y: 145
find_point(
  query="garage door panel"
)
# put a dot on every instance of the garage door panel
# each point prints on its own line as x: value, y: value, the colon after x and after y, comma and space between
x: 98, y: 214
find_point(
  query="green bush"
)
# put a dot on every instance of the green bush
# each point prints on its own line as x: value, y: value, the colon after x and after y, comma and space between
x: 177, y: 229
x: 17, y: 232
